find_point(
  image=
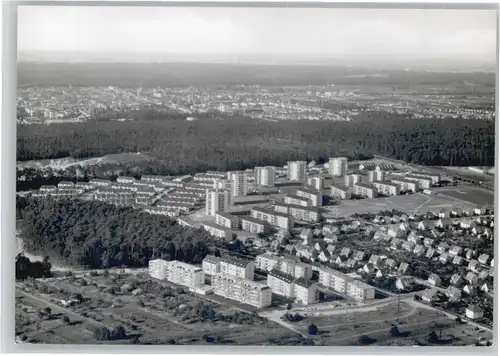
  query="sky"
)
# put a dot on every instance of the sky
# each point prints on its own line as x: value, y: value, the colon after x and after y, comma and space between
x: 159, y: 32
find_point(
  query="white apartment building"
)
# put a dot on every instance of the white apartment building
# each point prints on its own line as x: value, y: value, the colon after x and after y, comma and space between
x: 360, y: 291
x: 338, y: 192
x: 333, y: 279
x: 218, y: 231
x: 265, y: 176
x: 376, y: 176
x: 240, y: 183
x: 364, y: 190
x: 126, y: 180
x: 185, y: 274
x: 405, y: 185
x: 313, y: 195
x: 227, y: 220
x: 253, y: 225
x: 337, y: 166
x: 305, y: 291
x: 297, y: 212
x: 352, y: 179
x: 242, y: 290
x: 280, y: 283
x: 423, y: 183
x: 216, y: 200
x: 296, y: 200
x: 386, y: 188
x: 290, y: 266
x: 435, y: 178
x: 283, y: 221
x: 211, y: 265
x: 237, y: 267
x: 316, y: 182
x: 297, y: 171
x: 158, y: 269
x: 225, y: 184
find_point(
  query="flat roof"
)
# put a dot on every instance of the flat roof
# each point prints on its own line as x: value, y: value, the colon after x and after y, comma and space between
x: 365, y: 185
x: 249, y: 218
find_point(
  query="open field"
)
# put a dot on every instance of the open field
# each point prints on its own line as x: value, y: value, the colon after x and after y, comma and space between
x: 64, y: 163
x: 346, y: 329
x: 474, y: 195
x: 158, y: 315
x: 410, y: 204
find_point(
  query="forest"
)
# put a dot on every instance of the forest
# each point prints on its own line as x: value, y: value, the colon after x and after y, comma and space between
x: 184, y: 147
x: 99, y: 235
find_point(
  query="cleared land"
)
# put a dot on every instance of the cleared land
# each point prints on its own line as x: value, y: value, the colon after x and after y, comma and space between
x: 411, y: 204
x: 414, y: 324
x: 158, y: 315
x: 473, y: 195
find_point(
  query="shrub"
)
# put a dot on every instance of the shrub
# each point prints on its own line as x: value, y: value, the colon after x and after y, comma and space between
x: 312, y: 329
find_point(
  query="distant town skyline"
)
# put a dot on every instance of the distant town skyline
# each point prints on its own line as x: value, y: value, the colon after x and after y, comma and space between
x: 256, y: 34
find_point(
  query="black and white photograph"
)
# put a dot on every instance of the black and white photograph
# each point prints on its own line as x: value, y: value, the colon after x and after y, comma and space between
x: 255, y: 175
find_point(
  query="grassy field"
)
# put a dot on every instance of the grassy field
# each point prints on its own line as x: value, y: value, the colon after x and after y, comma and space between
x: 413, y: 323
x: 473, y: 195
x: 410, y: 204
x: 161, y: 315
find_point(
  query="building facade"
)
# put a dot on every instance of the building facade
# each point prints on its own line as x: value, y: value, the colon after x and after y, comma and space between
x: 313, y: 195
x: 185, y: 274
x: 240, y: 183
x: 386, y: 188
x: 242, y: 290
x: 364, y: 190
x: 316, y: 182
x: 265, y: 176
x: 297, y: 171
x: 360, y: 291
x: 254, y: 225
x: 216, y: 200
x: 343, y: 193
x: 376, y: 176
x: 337, y: 166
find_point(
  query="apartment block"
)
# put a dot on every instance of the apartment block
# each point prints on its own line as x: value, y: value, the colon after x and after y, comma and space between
x: 290, y: 266
x: 228, y: 185
x: 240, y: 183
x: 337, y: 166
x: 296, y: 200
x: 227, y: 220
x: 364, y: 190
x: 386, y: 188
x: 185, y: 274
x: 242, y: 290
x: 158, y: 269
x: 360, y: 291
x: 253, y: 225
x: 237, y: 267
x: 316, y: 182
x: 280, y: 283
x: 376, y: 176
x: 300, y: 289
x: 162, y: 211
x: 297, y: 171
x: 265, y: 176
x: 211, y: 265
x: 314, y: 196
x: 405, y: 185
x: 216, y: 200
x: 333, y: 279
x: 302, y: 213
x: 339, y: 192
x: 435, y: 178
x: 218, y: 231
x: 283, y: 221
x: 305, y: 291
x: 423, y: 182
x: 351, y: 179
x: 125, y: 180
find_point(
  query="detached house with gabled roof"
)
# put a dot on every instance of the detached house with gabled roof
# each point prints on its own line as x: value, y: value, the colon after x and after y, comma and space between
x: 474, y: 312
x: 434, y: 279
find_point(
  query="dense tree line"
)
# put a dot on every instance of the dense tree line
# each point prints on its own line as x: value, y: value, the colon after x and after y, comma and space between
x: 100, y: 235
x: 180, y: 147
x: 27, y: 269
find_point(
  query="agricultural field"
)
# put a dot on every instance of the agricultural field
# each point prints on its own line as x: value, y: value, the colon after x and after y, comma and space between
x: 147, y: 312
x: 374, y: 327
